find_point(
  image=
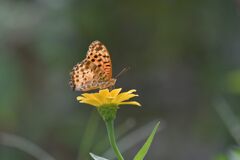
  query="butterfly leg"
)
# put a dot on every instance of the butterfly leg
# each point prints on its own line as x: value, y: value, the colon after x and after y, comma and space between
x: 111, y: 87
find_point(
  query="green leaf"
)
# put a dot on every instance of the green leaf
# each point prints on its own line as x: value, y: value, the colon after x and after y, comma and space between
x: 143, y: 151
x: 221, y: 157
x: 95, y: 157
x: 233, y: 81
x: 235, y: 154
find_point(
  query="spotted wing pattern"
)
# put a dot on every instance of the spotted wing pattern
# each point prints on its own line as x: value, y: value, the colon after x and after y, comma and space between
x: 95, y: 71
x: 99, y: 55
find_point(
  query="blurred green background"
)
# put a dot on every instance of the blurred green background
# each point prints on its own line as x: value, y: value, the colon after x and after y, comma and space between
x: 185, y: 64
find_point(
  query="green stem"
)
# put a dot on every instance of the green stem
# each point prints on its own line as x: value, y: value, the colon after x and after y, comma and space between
x: 111, y: 136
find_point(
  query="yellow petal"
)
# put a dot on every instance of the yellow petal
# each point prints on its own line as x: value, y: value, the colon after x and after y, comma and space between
x: 105, y: 97
x: 130, y: 103
x: 109, y: 99
x: 100, y: 97
x: 132, y: 90
x: 104, y: 92
x: 90, y: 102
x: 87, y: 95
x: 91, y: 96
x: 79, y: 98
x: 123, y: 97
x: 115, y: 92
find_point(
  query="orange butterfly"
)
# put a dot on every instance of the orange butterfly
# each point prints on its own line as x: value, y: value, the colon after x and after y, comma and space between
x: 95, y: 71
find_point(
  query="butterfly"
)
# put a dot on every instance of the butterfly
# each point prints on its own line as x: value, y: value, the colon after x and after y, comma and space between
x: 95, y: 71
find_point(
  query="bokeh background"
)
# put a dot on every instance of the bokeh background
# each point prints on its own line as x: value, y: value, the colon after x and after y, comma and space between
x: 185, y: 64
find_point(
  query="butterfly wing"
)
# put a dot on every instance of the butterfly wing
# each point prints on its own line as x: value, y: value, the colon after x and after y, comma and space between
x: 86, y: 76
x: 95, y: 71
x: 99, y: 55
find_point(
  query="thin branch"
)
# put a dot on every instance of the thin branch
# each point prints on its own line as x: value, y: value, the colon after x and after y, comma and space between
x: 24, y: 145
x: 230, y: 120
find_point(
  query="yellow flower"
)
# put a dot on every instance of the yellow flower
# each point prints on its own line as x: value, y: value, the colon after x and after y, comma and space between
x: 108, y: 98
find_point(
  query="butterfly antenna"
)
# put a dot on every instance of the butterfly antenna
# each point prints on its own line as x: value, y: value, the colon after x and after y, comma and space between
x: 124, y: 70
